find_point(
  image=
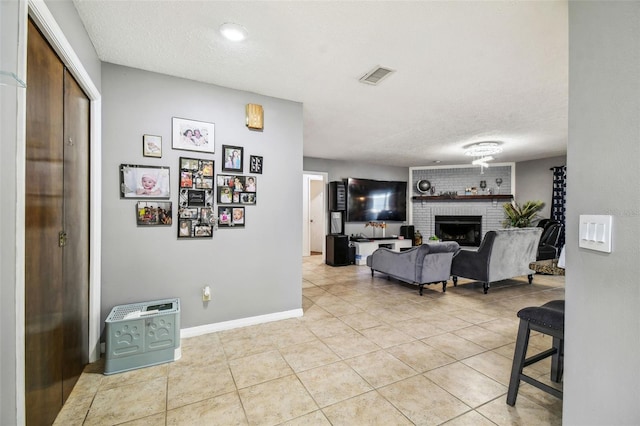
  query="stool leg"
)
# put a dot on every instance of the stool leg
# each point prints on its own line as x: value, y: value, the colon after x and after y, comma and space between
x: 557, y: 360
x: 518, y: 361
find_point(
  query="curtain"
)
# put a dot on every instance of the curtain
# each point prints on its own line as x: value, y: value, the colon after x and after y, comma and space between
x: 558, y: 200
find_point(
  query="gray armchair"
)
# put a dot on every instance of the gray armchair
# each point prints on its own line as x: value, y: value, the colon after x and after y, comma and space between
x: 421, y: 265
x: 503, y: 254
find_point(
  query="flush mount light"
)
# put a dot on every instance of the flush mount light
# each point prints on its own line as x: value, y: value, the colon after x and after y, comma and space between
x: 233, y: 32
x: 482, y: 149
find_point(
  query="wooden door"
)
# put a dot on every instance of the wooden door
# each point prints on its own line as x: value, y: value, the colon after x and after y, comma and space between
x: 75, y: 223
x: 56, y: 274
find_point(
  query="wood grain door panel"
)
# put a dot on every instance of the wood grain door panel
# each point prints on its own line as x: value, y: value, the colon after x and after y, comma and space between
x: 76, y: 228
x: 56, y: 277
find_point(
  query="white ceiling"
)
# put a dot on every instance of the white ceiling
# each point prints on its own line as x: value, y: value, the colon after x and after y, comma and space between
x: 466, y: 71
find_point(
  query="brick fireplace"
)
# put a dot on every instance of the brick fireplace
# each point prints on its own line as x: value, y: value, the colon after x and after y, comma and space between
x: 454, y: 180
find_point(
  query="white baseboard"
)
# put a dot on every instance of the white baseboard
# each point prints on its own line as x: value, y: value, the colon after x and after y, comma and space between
x: 243, y: 322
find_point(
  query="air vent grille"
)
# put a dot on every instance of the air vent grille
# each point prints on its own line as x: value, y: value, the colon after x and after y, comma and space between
x: 376, y: 75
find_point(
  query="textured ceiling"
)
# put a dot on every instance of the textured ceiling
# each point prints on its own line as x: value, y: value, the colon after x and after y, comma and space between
x: 466, y: 71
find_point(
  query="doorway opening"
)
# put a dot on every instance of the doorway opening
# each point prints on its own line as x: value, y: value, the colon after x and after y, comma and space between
x: 314, y: 211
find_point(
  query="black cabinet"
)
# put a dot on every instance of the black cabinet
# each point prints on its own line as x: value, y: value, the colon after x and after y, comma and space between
x: 337, y: 250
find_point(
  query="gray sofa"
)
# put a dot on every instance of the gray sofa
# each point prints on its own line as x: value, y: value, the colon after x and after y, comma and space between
x: 502, y: 254
x: 424, y: 264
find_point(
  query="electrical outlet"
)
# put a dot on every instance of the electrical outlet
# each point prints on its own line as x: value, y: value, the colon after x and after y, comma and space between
x: 206, y: 294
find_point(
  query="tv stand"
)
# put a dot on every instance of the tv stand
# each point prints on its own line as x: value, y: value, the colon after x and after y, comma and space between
x: 366, y: 248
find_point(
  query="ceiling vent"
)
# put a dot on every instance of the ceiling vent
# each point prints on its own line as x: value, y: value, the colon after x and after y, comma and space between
x: 376, y: 75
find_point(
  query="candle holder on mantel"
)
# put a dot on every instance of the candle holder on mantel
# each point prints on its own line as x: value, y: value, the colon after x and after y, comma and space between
x: 483, y: 185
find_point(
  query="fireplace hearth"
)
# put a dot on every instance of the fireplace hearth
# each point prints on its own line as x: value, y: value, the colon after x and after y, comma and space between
x: 465, y: 230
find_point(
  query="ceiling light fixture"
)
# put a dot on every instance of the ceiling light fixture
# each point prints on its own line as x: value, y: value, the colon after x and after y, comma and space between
x: 483, y: 151
x: 233, y: 32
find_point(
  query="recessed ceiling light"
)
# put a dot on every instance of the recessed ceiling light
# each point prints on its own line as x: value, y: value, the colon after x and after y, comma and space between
x: 233, y: 32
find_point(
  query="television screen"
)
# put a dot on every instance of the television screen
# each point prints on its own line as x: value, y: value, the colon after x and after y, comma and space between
x: 376, y: 200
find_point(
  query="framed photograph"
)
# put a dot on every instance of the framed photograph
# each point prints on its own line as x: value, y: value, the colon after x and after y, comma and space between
x: 189, y: 213
x: 207, y: 216
x: 231, y: 217
x: 152, y: 146
x: 202, y: 230
x: 144, y: 181
x: 225, y: 195
x: 237, y: 216
x: 191, y: 164
x: 186, y: 179
x: 152, y: 213
x: 191, y: 135
x: 184, y: 228
x: 255, y: 164
x: 232, y: 157
x: 224, y: 216
x: 250, y: 184
x: 247, y: 197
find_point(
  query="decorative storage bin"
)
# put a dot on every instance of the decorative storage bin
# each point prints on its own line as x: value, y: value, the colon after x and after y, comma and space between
x: 142, y: 334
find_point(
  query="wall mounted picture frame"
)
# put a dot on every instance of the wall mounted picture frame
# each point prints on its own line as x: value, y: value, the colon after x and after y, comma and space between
x: 192, y: 135
x: 255, y: 164
x: 137, y: 181
x: 152, y: 146
x: 236, y: 189
x: 231, y: 217
x: 232, y: 158
x: 154, y: 213
x: 195, y: 215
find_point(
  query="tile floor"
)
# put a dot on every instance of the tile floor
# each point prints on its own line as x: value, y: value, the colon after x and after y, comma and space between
x: 368, y: 351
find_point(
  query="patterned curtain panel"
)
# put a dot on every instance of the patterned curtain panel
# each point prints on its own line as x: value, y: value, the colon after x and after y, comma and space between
x: 558, y: 200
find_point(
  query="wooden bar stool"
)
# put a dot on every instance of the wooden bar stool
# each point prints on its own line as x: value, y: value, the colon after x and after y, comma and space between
x: 547, y: 319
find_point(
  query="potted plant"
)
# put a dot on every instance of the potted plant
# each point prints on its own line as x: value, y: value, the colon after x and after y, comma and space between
x: 521, y: 216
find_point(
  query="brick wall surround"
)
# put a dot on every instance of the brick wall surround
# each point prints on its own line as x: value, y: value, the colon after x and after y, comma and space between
x: 457, y: 179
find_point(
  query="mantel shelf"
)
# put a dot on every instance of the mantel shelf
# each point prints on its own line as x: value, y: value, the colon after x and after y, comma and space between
x: 462, y: 197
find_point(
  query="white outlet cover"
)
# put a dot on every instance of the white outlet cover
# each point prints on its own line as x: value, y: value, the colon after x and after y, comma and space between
x: 595, y: 232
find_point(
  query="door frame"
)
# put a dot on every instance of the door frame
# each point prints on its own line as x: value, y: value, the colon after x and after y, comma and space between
x: 306, y: 202
x: 44, y: 20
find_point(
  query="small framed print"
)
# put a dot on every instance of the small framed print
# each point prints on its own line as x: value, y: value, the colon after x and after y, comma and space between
x: 196, y: 197
x: 224, y: 216
x: 202, y: 231
x: 192, y: 135
x: 255, y: 164
x: 154, y: 213
x: 189, y: 213
x: 232, y: 157
x: 186, y: 179
x: 152, y: 146
x: 207, y: 216
x: 184, y: 228
x: 247, y: 197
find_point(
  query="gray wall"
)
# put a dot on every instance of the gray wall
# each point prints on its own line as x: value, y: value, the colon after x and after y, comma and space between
x: 534, y: 181
x: 252, y: 271
x: 65, y: 14
x: 602, y: 368
x: 339, y: 170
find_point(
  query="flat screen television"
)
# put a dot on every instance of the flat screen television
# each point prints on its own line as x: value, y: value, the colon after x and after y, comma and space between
x: 376, y: 200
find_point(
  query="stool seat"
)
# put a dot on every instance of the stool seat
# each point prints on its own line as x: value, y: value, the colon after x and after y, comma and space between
x: 547, y: 319
x: 551, y: 314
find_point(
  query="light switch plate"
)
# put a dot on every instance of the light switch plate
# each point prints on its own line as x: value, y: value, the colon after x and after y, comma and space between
x: 595, y: 232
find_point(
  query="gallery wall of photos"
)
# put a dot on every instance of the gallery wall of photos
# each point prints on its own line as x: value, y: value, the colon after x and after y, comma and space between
x: 199, y: 189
